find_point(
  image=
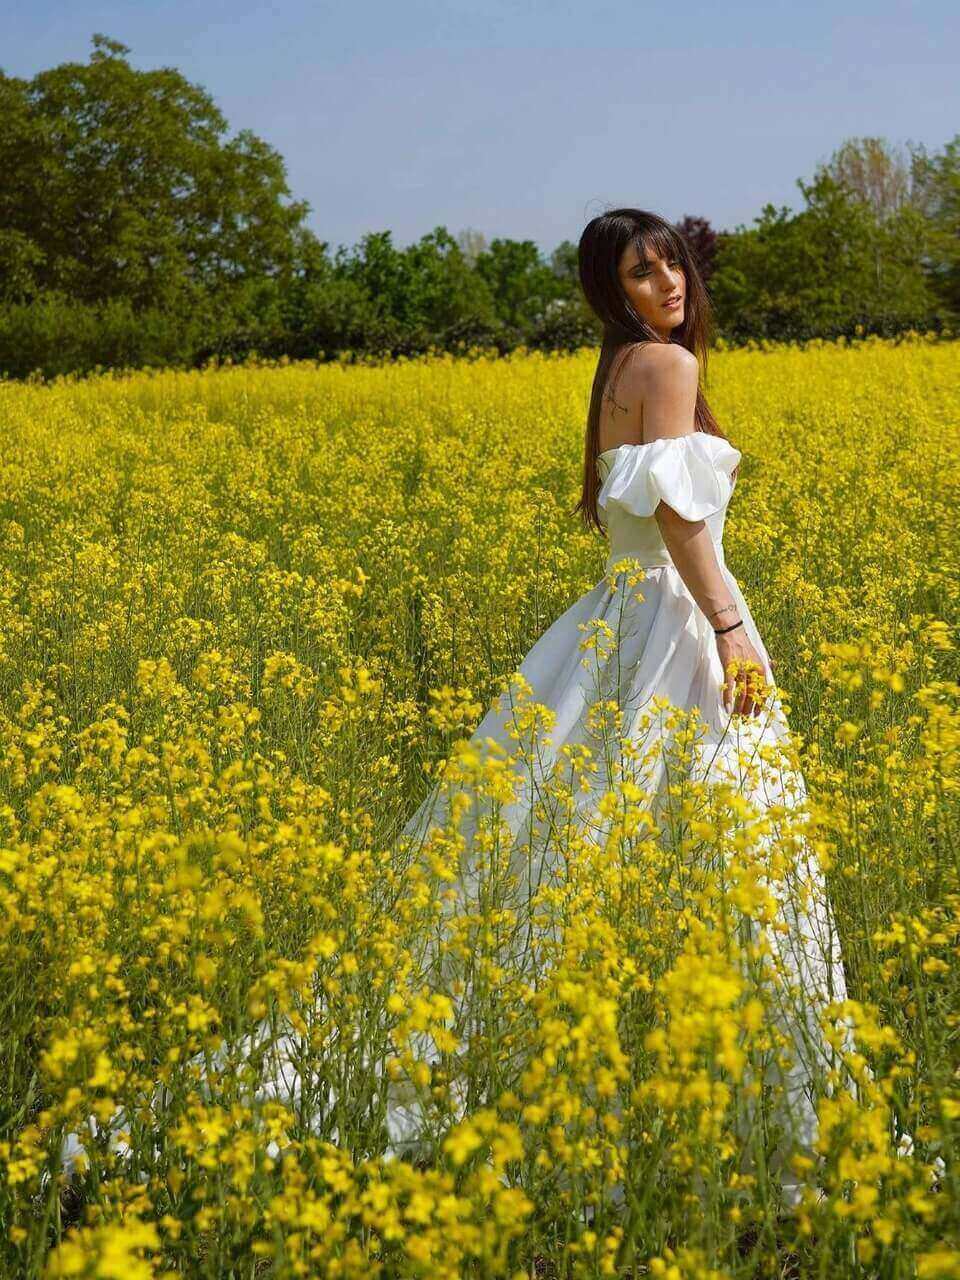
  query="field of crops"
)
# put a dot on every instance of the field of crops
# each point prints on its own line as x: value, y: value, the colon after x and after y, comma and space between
x: 245, y: 615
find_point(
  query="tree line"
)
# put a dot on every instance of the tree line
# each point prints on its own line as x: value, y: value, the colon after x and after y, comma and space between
x: 134, y: 231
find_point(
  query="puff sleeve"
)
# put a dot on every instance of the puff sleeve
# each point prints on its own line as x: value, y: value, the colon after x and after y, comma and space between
x: 693, y: 474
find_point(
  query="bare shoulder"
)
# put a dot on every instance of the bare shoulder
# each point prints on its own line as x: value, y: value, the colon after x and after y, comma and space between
x: 658, y: 366
x: 657, y: 363
x: 664, y: 378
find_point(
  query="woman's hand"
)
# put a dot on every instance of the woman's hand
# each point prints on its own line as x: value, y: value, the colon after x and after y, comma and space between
x: 744, y: 684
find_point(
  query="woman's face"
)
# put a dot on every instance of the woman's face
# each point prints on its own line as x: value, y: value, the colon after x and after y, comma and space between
x: 650, y: 282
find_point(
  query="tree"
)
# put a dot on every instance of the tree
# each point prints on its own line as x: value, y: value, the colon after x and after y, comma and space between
x: 521, y: 283
x: 937, y: 195
x: 565, y: 265
x: 119, y: 184
x: 902, y: 239
x: 472, y: 243
x: 702, y: 240
x: 825, y: 270
x: 420, y: 296
x: 872, y: 171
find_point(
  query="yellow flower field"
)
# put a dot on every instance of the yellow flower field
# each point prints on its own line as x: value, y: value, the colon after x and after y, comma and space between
x: 246, y: 615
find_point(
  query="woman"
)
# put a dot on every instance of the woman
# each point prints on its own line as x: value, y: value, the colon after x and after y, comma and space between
x: 658, y: 476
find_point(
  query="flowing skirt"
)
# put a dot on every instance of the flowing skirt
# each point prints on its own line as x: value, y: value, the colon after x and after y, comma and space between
x: 640, y: 648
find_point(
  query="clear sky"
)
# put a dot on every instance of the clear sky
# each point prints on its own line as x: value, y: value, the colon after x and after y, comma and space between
x: 526, y: 119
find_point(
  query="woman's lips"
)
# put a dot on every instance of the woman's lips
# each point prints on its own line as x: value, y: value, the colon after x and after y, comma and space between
x: 672, y: 306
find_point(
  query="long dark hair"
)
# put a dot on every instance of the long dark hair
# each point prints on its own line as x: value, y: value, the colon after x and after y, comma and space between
x: 602, y: 244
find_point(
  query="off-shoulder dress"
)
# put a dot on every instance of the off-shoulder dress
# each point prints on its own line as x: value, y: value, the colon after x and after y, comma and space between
x: 645, y: 647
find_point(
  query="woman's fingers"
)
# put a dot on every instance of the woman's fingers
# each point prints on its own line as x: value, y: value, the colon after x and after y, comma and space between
x: 734, y: 684
x: 759, y: 691
x: 749, y: 696
x: 731, y: 689
x: 743, y: 688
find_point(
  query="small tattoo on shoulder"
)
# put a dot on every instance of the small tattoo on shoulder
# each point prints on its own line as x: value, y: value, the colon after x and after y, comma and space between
x: 608, y: 395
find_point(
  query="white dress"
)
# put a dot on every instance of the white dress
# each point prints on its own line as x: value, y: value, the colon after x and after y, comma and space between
x: 664, y: 649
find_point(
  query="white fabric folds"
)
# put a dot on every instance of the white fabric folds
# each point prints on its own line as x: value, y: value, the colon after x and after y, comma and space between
x: 693, y: 474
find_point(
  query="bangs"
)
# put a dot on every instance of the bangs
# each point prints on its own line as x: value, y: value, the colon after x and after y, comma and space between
x: 657, y: 241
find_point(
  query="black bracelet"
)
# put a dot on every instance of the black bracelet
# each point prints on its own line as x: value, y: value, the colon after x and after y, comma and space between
x: 726, y: 629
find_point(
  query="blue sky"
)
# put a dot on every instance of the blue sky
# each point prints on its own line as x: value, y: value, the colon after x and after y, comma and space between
x: 525, y: 120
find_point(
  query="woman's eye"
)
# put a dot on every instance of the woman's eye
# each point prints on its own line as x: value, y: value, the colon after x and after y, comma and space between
x: 639, y: 275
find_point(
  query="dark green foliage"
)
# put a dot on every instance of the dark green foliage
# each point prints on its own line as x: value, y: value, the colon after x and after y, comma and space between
x: 118, y: 184
x: 825, y: 270
x: 938, y: 198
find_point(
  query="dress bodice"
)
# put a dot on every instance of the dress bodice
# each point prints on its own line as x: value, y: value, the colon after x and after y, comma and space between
x: 693, y: 474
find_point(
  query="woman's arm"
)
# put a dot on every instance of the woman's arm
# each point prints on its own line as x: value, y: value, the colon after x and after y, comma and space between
x: 692, y: 551
x: 665, y: 378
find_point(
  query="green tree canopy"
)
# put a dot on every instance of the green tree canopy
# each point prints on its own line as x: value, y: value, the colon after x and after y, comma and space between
x: 937, y: 195
x: 822, y: 270
x: 120, y: 184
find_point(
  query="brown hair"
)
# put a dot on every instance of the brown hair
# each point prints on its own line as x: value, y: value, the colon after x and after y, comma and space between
x: 602, y: 244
